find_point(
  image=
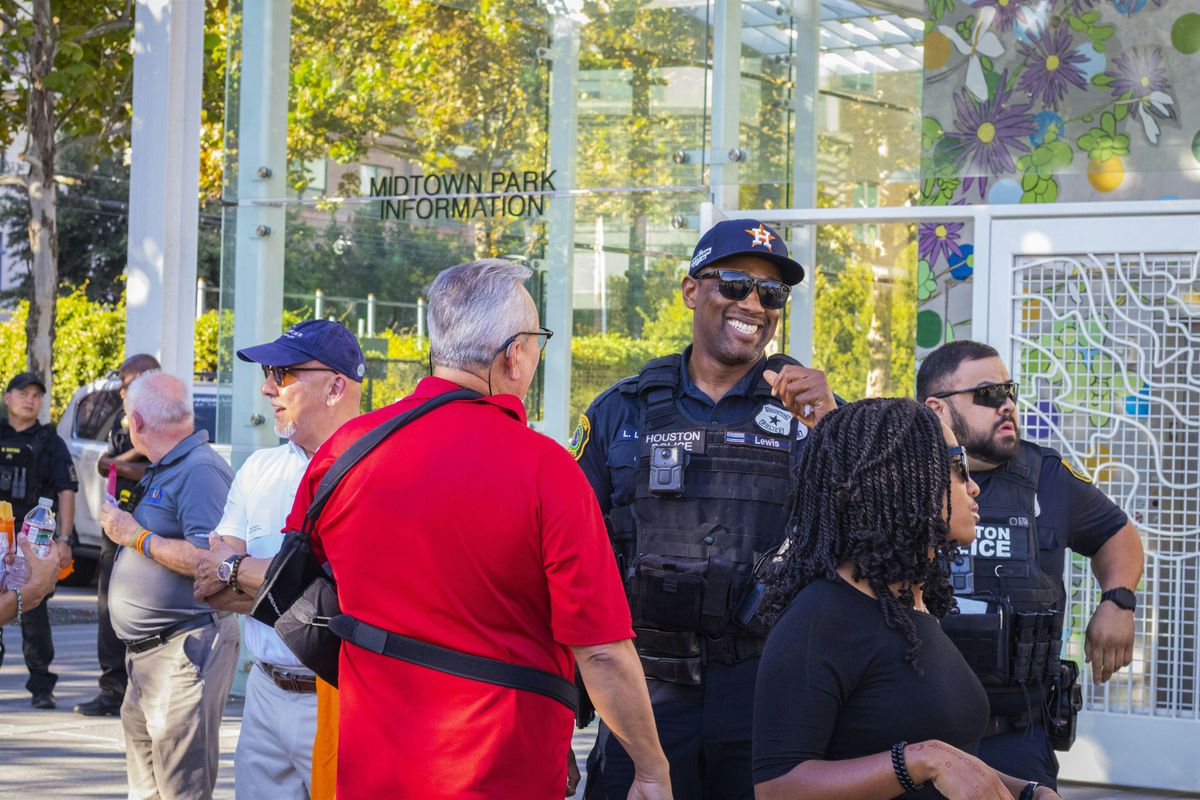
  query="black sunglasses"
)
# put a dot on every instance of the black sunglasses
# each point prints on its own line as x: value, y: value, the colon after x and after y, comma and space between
x: 543, y: 335
x: 736, y: 285
x: 992, y: 395
x: 284, y: 375
x: 958, y: 460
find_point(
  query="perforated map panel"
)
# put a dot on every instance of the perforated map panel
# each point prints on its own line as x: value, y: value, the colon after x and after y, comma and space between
x: 1107, y: 351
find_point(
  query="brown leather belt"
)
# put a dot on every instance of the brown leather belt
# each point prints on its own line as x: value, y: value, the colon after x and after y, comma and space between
x: 289, y: 681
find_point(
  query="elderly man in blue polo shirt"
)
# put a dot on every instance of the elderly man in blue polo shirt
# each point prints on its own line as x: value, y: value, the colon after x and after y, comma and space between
x: 180, y: 653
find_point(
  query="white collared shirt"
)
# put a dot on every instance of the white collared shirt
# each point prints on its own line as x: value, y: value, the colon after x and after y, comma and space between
x: 259, y: 501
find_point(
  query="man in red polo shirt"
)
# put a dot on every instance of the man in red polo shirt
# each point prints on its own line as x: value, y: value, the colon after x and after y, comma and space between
x: 468, y: 530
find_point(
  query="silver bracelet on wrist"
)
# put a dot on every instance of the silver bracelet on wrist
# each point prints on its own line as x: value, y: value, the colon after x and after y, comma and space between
x: 20, y: 610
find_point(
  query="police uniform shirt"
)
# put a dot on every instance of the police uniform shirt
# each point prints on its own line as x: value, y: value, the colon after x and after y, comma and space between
x: 607, y: 440
x: 55, y: 471
x: 1072, y: 513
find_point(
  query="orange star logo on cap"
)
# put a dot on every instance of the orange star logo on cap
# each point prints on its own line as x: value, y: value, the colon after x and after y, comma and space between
x: 761, y: 236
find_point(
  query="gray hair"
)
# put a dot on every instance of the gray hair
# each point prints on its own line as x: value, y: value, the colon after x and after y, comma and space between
x: 473, y: 308
x: 160, y: 399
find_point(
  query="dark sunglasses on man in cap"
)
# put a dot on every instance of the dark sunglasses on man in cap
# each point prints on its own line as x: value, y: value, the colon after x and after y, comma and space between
x: 992, y: 395
x: 735, y: 285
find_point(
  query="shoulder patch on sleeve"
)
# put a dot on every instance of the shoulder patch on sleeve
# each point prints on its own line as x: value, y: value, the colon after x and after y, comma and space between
x: 579, y: 439
x: 1076, y: 473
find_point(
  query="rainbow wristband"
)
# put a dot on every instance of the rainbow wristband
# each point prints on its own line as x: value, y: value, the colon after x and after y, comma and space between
x: 146, y: 544
x: 137, y: 544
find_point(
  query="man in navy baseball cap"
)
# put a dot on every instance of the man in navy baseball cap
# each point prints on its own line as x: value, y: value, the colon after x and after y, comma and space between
x: 331, y: 343
x: 733, y: 237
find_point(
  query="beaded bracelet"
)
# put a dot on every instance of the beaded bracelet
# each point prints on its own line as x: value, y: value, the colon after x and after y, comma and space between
x: 20, y: 608
x: 901, y: 768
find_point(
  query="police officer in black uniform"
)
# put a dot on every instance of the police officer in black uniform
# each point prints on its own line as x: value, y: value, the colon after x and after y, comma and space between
x: 690, y: 462
x: 131, y: 466
x: 35, y: 462
x: 1032, y: 506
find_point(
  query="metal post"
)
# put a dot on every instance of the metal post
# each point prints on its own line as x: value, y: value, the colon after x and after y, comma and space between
x: 362, y: 327
x: 420, y: 323
x: 262, y: 174
x: 726, y: 99
x: 199, y: 298
x: 804, y: 172
x: 560, y: 252
x: 318, y: 304
x: 164, y: 178
x: 370, y: 314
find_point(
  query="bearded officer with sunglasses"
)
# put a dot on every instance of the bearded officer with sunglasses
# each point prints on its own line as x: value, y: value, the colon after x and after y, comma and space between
x: 1033, y: 506
x: 690, y: 462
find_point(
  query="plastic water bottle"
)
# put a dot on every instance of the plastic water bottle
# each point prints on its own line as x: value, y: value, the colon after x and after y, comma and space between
x: 39, y: 526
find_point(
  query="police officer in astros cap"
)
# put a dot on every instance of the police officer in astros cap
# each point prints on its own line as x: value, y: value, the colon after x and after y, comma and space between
x: 690, y: 462
x: 1032, y: 507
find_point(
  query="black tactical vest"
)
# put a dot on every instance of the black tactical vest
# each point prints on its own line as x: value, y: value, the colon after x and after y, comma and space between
x: 1017, y: 642
x: 19, y: 454
x: 709, y: 500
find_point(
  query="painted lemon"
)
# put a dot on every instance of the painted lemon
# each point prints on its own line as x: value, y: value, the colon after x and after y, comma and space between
x: 937, y: 50
x: 1105, y: 176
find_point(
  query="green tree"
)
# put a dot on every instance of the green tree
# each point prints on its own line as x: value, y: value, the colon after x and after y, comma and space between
x: 67, y: 69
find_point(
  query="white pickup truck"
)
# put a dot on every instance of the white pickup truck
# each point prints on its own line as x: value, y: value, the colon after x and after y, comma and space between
x: 84, y: 427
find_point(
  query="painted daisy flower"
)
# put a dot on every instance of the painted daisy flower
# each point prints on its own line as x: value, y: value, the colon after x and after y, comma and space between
x: 1007, y: 12
x: 986, y: 133
x: 1140, y: 73
x: 938, y: 240
x: 1052, y: 66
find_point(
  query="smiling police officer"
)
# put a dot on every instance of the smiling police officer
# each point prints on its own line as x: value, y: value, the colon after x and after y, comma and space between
x: 690, y: 462
x: 1033, y: 506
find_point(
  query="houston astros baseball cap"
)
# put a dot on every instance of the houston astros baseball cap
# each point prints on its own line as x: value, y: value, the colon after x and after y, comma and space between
x: 329, y: 342
x: 734, y: 237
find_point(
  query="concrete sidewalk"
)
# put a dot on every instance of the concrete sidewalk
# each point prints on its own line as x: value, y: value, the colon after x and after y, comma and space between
x: 50, y: 755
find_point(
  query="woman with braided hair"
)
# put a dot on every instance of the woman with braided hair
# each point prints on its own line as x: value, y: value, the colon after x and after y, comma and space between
x: 857, y: 664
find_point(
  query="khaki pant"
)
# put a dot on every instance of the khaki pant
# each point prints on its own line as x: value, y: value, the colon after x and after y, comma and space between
x: 172, y: 713
x: 274, y: 750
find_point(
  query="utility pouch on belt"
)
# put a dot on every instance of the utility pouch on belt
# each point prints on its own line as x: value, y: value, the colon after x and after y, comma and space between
x: 1066, y: 701
x: 672, y: 656
x: 983, y: 640
x: 686, y: 594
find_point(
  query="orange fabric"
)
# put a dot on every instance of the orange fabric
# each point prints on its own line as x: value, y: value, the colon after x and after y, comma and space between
x: 325, y: 744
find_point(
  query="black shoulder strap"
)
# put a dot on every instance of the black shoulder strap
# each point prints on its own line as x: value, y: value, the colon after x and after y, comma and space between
x: 662, y: 372
x: 355, y: 452
x: 455, y: 662
x: 776, y: 362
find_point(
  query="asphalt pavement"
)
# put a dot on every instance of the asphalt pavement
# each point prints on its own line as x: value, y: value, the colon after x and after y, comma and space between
x: 58, y: 754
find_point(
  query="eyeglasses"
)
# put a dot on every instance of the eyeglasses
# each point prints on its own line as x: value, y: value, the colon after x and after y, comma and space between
x: 736, y: 285
x: 543, y: 335
x: 992, y: 395
x: 285, y: 376
x: 958, y: 461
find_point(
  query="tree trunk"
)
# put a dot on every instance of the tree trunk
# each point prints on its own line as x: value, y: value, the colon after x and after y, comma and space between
x: 43, y: 203
x: 879, y: 337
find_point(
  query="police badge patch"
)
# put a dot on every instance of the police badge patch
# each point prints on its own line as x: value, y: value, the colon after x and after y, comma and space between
x: 579, y: 439
x: 774, y: 419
